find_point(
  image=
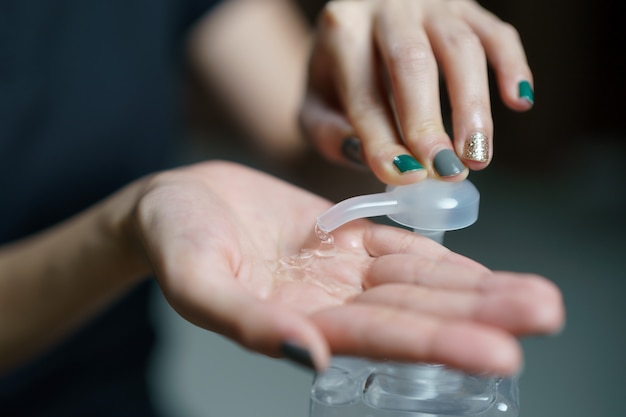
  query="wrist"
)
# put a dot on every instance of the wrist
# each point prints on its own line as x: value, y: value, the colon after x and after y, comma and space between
x: 118, y: 225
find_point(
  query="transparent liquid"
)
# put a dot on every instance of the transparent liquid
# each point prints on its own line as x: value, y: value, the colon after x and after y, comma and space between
x: 334, y: 270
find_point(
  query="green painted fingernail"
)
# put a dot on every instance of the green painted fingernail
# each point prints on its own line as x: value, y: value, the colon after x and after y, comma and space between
x: 406, y: 163
x: 526, y: 91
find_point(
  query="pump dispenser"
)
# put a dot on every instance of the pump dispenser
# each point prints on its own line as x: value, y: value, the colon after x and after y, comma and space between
x: 356, y: 387
x: 429, y: 207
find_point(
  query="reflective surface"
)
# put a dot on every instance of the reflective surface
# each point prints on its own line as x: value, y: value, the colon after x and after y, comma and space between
x: 358, y: 388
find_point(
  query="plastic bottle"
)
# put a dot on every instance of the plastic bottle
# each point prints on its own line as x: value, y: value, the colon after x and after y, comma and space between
x: 356, y: 387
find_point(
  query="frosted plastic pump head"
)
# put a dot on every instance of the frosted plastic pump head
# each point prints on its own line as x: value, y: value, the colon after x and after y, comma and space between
x: 429, y: 207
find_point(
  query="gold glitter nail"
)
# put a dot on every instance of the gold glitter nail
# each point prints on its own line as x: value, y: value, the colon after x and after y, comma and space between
x: 477, y: 147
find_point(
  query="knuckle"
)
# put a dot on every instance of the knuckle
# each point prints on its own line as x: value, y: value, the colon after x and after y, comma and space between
x: 462, y: 39
x: 411, y: 55
x: 506, y: 30
x: 339, y: 15
x: 343, y: 24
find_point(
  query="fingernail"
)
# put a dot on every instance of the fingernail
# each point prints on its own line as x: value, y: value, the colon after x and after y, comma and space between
x: 406, y: 163
x: 476, y: 147
x: 297, y: 354
x: 526, y: 92
x: 351, y: 150
x: 447, y: 164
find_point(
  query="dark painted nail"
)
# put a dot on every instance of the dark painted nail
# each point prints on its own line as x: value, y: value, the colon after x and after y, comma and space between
x: 406, y: 163
x: 351, y: 150
x: 297, y: 354
x: 526, y: 92
x: 447, y: 164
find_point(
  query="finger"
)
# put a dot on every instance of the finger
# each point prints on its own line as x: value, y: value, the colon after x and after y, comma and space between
x: 382, y: 240
x: 414, y: 79
x: 506, y: 55
x: 358, y: 81
x: 424, y: 271
x: 384, y: 333
x: 547, y: 311
x: 521, y: 307
x: 329, y: 130
x: 463, y: 62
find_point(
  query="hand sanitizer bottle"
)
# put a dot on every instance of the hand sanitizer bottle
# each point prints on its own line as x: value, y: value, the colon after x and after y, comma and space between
x: 357, y: 387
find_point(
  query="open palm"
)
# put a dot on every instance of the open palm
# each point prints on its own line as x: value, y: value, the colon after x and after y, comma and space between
x: 226, y: 244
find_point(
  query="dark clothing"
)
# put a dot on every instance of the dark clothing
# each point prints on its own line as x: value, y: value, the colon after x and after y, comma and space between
x: 100, y: 371
x: 90, y: 99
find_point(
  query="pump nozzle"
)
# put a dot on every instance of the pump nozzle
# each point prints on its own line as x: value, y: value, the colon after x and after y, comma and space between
x: 429, y: 207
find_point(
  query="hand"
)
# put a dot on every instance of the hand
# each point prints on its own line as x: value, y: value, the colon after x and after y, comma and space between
x: 214, y: 234
x: 373, y: 90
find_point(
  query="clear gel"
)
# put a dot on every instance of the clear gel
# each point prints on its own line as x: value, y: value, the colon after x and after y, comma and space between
x: 337, y: 271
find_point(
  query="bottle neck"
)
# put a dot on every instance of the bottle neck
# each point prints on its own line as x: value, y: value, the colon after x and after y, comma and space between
x: 436, y: 235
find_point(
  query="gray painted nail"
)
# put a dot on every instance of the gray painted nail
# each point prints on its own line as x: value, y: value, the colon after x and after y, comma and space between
x: 447, y: 164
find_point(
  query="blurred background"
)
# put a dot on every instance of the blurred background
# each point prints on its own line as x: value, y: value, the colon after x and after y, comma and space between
x: 553, y: 202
